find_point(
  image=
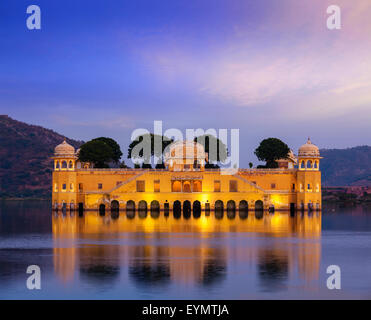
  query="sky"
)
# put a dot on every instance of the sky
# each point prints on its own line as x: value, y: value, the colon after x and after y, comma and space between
x: 270, y: 68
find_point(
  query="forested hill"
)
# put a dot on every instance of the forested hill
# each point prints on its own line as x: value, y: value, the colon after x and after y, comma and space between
x: 25, y: 164
x: 346, y: 167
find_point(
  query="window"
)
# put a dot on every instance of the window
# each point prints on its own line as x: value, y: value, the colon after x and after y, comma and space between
x: 309, y: 186
x: 232, y: 186
x: 216, y: 185
x: 156, y: 186
x: 57, y: 165
x: 81, y: 187
x: 64, y: 165
x: 293, y: 186
x: 140, y: 186
x: 176, y: 186
x: 302, y: 165
x: 64, y: 186
x: 197, y: 186
x: 118, y: 183
x: 100, y: 186
x: 273, y: 186
x: 70, y: 165
x: 315, y: 165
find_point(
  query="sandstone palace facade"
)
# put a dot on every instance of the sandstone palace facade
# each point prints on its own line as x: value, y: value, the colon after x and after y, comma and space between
x: 295, y: 185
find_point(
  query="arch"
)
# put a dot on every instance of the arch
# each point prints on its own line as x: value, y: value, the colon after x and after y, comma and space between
x: 243, y: 209
x: 57, y: 165
x: 315, y: 166
x: 219, y: 205
x: 177, y: 209
x: 187, y: 186
x: 219, y: 209
x: 102, y: 209
x: 196, y: 209
x: 176, y: 186
x: 70, y: 165
x: 130, y: 205
x: 197, y: 186
x: 187, y: 209
x: 64, y: 164
x: 309, y: 164
x: 142, y: 209
x: 302, y: 164
x: 78, y: 165
x: 155, y: 209
x: 130, y: 209
x: 231, y: 209
x: 259, y: 206
x: 115, y: 206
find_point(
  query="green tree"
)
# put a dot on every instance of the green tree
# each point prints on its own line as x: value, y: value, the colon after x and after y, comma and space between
x: 270, y: 150
x: 113, y: 145
x: 216, y: 149
x: 97, y: 152
x: 148, y: 138
x: 250, y: 165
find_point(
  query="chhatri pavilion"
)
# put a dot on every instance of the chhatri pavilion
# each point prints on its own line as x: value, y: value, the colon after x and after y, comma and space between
x: 185, y: 184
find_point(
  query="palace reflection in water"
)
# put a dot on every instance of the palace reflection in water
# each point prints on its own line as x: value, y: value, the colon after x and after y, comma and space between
x: 158, y: 250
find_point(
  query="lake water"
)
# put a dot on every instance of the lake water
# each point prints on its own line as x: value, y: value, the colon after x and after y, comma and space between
x: 269, y: 256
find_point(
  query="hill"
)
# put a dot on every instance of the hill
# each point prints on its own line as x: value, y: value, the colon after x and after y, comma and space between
x: 25, y: 164
x: 346, y: 167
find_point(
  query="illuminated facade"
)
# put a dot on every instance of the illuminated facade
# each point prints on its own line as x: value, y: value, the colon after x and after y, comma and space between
x: 186, y: 184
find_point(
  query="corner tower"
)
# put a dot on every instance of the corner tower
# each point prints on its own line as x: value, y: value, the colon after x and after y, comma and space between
x: 309, y: 177
x: 64, y: 177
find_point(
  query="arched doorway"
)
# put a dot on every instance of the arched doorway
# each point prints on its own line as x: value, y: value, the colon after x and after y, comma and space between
x: 155, y: 209
x: 186, y: 186
x: 177, y: 209
x: 207, y: 209
x: 219, y: 209
x: 176, y: 186
x: 196, y: 209
x: 142, y: 209
x: 186, y: 209
x: 115, y: 206
x: 231, y: 209
x: 130, y: 209
x: 102, y: 209
x: 259, y: 205
x: 243, y: 209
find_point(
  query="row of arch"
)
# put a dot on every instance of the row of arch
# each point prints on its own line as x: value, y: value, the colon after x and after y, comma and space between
x: 309, y: 164
x: 187, y: 207
x: 64, y: 164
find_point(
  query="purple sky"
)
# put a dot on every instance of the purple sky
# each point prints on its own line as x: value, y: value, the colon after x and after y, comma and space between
x: 267, y: 67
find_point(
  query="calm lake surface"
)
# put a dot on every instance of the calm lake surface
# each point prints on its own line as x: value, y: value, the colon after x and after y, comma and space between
x: 269, y: 256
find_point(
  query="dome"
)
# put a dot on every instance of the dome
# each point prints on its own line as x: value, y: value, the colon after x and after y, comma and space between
x: 64, y: 149
x: 185, y: 150
x: 309, y: 150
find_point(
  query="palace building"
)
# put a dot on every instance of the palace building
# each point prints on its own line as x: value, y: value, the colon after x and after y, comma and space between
x: 185, y: 184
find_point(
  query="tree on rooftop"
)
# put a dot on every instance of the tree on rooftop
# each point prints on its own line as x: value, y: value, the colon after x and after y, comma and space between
x: 270, y: 150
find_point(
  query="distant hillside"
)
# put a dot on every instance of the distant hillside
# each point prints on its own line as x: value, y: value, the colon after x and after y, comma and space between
x: 346, y: 167
x: 25, y: 164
